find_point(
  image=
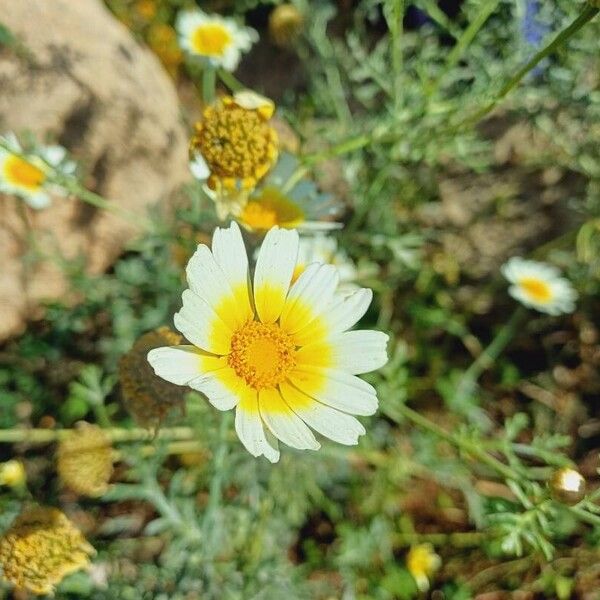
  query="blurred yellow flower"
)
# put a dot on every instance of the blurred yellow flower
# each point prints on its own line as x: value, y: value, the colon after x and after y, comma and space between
x: 285, y: 24
x: 422, y: 562
x: 85, y: 460
x: 12, y: 473
x: 147, y: 397
x: 235, y: 146
x: 41, y: 548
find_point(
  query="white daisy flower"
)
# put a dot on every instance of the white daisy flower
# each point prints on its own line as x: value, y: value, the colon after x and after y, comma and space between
x: 301, y: 206
x: 216, y: 39
x: 29, y: 175
x: 540, y: 286
x: 279, y: 353
x: 324, y: 249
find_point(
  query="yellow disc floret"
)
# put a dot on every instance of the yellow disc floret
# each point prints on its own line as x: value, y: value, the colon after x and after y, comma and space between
x: 21, y: 173
x: 211, y: 39
x: 238, y: 144
x: 271, y: 208
x: 41, y: 548
x: 262, y: 354
x: 536, y: 289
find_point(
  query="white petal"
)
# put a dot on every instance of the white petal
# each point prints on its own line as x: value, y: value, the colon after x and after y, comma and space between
x: 359, y: 351
x: 341, y: 315
x: 274, y: 269
x: 309, y: 296
x: 177, y: 364
x: 283, y: 422
x: 337, y: 389
x: 249, y: 428
x: 230, y: 254
x: 207, y: 280
x: 222, y: 387
x: 199, y: 323
x: 37, y: 200
x: 333, y: 424
x: 199, y: 168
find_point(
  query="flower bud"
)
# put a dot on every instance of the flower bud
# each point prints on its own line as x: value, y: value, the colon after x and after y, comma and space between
x: 285, y: 24
x: 567, y: 485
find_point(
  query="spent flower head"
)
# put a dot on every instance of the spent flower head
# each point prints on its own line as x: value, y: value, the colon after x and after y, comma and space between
x: 279, y: 353
x: 540, y: 286
x: 41, y: 548
x: 233, y: 147
x: 85, y: 460
x: 216, y: 40
x: 29, y: 174
x: 148, y: 398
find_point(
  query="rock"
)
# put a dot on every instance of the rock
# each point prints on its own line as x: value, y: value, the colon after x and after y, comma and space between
x: 78, y: 78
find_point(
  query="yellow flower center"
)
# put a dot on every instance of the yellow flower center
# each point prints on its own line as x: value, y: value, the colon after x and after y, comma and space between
x: 272, y: 208
x: 211, y: 39
x: 237, y: 144
x: 22, y: 173
x: 535, y: 288
x: 262, y: 354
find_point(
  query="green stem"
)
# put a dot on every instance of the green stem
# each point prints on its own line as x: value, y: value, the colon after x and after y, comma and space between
x: 101, y: 414
x: 216, y: 484
x: 228, y: 79
x: 469, y: 34
x: 394, y: 18
x: 46, y: 436
x: 344, y: 147
x: 402, y: 411
x: 587, y: 14
x: 209, y: 84
x: 456, y: 540
x: 488, y: 357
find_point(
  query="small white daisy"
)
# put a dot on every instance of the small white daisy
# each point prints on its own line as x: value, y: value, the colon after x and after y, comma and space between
x: 279, y: 353
x: 28, y: 175
x: 324, y: 249
x: 540, y: 286
x: 216, y: 39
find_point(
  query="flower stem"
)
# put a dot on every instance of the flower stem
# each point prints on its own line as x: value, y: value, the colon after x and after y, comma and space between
x: 45, y: 436
x: 486, y: 359
x: 216, y: 484
x: 587, y: 14
x: 401, y: 411
x: 227, y: 78
x: 209, y: 83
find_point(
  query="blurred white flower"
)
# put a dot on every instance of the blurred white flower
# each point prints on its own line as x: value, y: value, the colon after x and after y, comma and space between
x: 540, y: 286
x: 28, y: 175
x: 216, y: 39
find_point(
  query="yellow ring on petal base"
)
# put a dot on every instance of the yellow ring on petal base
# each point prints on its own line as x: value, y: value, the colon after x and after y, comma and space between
x: 21, y: 173
x: 262, y: 354
x: 271, y: 208
x: 536, y: 289
x: 211, y: 39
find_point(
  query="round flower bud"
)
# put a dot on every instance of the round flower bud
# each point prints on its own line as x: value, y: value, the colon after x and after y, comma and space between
x: 285, y: 24
x: 567, y: 486
x: 12, y: 474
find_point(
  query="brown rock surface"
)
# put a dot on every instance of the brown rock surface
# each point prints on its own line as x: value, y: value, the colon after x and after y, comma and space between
x: 85, y: 83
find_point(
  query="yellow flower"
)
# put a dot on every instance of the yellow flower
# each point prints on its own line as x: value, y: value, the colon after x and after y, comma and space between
x: 285, y: 24
x: 85, y: 460
x: 218, y: 41
x: 163, y: 41
x: 41, y: 548
x: 147, y: 397
x: 12, y: 473
x: 279, y: 353
x: 270, y: 207
x: 422, y: 562
x: 234, y: 146
x: 539, y: 286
